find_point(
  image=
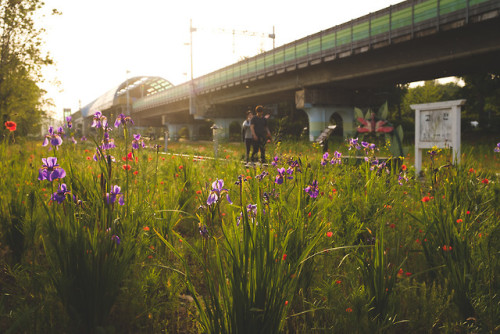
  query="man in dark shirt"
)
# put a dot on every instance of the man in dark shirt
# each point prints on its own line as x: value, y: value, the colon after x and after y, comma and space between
x: 260, y: 133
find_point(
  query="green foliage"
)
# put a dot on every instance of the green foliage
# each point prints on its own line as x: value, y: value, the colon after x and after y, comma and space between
x: 363, y: 254
x: 21, y: 60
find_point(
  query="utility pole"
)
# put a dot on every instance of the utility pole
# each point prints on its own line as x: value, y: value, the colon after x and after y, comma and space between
x: 191, y: 86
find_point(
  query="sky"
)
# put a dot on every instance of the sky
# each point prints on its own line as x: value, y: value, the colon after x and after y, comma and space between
x: 97, y: 44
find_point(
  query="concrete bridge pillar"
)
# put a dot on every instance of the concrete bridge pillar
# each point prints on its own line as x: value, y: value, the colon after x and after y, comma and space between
x: 224, y: 125
x: 319, y: 119
x: 320, y: 105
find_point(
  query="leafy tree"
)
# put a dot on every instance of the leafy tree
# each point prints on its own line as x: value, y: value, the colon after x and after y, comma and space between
x: 482, y: 92
x: 21, y: 61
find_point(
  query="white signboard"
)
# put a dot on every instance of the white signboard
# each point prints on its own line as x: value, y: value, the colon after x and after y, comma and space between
x: 437, y: 124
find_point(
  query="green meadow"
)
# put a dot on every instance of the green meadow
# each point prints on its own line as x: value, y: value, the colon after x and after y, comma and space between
x: 118, y: 236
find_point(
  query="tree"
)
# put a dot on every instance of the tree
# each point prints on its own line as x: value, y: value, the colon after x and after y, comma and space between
x: 21, y: 61
x: 482, y: 92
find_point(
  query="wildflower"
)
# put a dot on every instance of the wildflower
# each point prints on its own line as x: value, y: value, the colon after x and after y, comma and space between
x: 136, y: 172
x: 471, y: 170
x: 312, y: 189
x: 241, y: 179
x: 83, y: 138
x: 485, y: 181
x: 73, y: 140
x: 123, y: 120
x: 126, y: 167
x: 50, y: 170
x: 348, y: 310
x: 447, y: 248
x: 275, y: 161
x: 338, y: 282
x: 61, y: 193
x: 116, y: 239
x: 408, y: 274
x: 203, y: 231
x: 459, y: 221
x: 198, y: 192
x: 497, y: 149
x: 329, y: 234
x: 426, y: 199
x: 99, y: 120
x: 324, y: 159
x: 252, y: 210
x: 279, y: 178
x: 137, y: 141
x: 353, y: 143
x: 11, y: 126
x: 336, y: 160
x: 68, y: 122
x: 53, y: 137
x: 468, y: 212
x: 284, y: 257
x: 217, y: 191
x: 107, y: 142
x: 262, y: 175
x: 113, y: 194
x: 403, y: 167
x: 145, y: 228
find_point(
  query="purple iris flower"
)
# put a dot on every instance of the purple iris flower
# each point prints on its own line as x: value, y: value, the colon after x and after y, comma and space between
x: 353, y: 143
x: 364, y: 144
x: 53, y: 138
x: 497, y: 149
x: 337, y: 158
x: 116, y: 239
x: 262, y: 175
x: 50, y: 170
x: 123, y: 120
x: 137, y: 141
x: 83, y: 138
x: 61, y: 193
x: 68, y: 122
x: 279, y: 178
x: 324, y: 159
x: 312, y: 189
x: 252, y: 210
x: 107, y: 142
x: 99, y: 120
x: 216, y: 192
x: 203, y: 231
x: 113, y: 194
x: 275, y: 161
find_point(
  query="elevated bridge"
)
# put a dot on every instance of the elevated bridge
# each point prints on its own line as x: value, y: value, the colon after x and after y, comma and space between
x: 334, y: 70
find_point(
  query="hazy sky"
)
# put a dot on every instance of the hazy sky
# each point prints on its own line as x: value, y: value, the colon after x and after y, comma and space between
x: 95, y: 42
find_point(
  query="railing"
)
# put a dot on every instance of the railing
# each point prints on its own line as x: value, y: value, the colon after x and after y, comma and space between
x: 405, y: 18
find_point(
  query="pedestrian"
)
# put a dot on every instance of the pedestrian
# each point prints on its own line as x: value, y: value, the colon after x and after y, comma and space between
x: 260, y: 134
x: 247, y: 135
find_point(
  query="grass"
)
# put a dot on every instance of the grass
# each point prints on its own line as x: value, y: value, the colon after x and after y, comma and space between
x: 301, y: 246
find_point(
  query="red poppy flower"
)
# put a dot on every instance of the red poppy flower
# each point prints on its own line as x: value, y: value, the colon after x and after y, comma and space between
x: 284, y: 257
x: 11, y: 126
x: 145, y: 228
x: 348, y: 310
x: 403, y: 167
x: 426, y: 199
x: 329, y: 234
x: 136, y: 172
x: 126, y: 167
x: 485, y: 181
x: 459, y: 221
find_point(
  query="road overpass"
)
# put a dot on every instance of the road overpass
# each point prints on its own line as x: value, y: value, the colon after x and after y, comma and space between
x: 334, y: 70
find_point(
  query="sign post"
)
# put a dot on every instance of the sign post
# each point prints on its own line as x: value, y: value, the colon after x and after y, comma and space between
x: 437, y: 124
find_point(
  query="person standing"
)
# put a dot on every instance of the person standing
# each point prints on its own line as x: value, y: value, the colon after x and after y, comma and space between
x: 260, y: 134
x: 247, y: 135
